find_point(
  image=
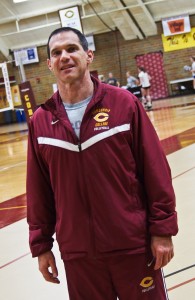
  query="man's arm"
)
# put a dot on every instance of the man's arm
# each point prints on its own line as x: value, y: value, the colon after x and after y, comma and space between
x: 162, y: 250
x: 154, y: 173
x: 47, y: 261
x: 41, y: 215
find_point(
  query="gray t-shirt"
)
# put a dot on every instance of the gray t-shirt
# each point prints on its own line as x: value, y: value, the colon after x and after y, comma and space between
x: 131, y: 82
x: 76, y: 112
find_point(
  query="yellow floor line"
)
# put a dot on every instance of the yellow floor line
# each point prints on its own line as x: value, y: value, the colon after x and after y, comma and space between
x: 13, y: 207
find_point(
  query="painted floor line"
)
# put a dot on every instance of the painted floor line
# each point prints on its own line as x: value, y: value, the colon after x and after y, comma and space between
x: 181, y: 105
x: 183, y: 173
x: 12, y: 132
x: 180, y: 284
x: 13, y: 207
x: 12, y: 166
x: 179, y: 271
x: 16, y: 259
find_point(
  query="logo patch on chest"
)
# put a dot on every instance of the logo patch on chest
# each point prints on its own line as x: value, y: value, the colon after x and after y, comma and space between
x: 101, y: 117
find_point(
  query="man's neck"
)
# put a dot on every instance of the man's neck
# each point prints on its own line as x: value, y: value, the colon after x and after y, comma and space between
x: 76, y: 92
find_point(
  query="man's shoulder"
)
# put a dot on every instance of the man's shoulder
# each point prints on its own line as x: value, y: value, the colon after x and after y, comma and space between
x: 45, y: 108
x: 37, y: 115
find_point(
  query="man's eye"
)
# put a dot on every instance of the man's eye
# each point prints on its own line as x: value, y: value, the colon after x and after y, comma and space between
x: 56, y: 53
x: 71, y: 49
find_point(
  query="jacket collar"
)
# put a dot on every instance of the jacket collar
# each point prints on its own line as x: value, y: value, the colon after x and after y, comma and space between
x: 54, y: 104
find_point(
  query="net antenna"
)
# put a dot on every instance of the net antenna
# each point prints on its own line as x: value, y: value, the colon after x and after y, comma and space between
x: 6, y: 103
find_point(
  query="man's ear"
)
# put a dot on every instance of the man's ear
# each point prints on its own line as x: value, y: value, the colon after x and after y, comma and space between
x: 90, y: 55
x: 49, y: 64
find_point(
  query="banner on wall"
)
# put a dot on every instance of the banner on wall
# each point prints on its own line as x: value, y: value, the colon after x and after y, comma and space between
x: 16, y: 95
x: 26, y: 55
x: 70, y: 17
x: 90, y: 40
x: 178, y: 42
x: 6, y: 102
x: 27, y: 98
x: 153, y: 63
x: 176, y: 25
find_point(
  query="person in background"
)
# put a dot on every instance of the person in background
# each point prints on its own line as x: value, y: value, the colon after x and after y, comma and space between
x: 112, y: 80
x: 192, y: 59
x: 104, y: 186
x: 101, y: 78
x: 131, y: 80
x: 145, y: 78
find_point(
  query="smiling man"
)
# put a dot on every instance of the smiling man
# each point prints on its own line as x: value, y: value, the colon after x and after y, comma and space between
x: 97, y: 176
x: 69, y: 61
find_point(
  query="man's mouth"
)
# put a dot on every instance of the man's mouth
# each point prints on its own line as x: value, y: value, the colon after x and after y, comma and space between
x: 66, y: 67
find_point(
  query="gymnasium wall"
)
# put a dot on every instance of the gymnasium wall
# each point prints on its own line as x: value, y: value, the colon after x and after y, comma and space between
x: 108, y: 57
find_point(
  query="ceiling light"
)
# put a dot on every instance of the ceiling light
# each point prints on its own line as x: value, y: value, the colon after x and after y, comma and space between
x: 18, y: 1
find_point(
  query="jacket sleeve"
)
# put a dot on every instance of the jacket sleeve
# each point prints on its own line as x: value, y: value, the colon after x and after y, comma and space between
x: 154, y: 173
x: 41, y: 215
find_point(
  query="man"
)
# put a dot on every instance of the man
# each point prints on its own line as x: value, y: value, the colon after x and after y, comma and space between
x: 132, y: 82
x: 112, y: 80
x: 104, y: 187
x: 133, y: 85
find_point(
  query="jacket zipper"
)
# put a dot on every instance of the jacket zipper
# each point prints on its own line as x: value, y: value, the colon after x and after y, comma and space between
x: 79, y: 146
x: 92, y: 249
x: 91, y: 228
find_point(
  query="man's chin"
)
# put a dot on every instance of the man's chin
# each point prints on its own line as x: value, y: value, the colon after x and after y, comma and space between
x: 68, y: 79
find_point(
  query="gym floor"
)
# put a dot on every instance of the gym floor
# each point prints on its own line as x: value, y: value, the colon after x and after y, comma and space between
x: 174, y: 121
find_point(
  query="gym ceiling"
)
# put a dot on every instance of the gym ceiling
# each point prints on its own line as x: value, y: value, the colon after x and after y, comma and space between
x: 30, y: 22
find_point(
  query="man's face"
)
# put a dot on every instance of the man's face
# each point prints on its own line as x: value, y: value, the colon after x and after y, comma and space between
x: 68, y: 61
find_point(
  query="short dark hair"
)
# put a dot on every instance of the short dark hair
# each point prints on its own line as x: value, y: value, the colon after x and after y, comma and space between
x: 82, y: 38
x: 142, y: 69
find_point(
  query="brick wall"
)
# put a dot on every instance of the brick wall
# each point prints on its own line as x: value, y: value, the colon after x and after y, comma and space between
x: 108, y: 57
x: 40, y: 77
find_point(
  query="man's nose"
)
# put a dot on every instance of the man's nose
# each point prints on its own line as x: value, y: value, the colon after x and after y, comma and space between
x: 65, y: 54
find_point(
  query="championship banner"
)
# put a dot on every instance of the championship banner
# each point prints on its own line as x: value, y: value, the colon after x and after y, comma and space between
x: 6, y: 102
x: 70, y: 17
x: 16, y: 95
x: 27, y: 98
x: 176, y: 25
x: 180, y: 41
x: 91, y: 44
x: 26, y: 55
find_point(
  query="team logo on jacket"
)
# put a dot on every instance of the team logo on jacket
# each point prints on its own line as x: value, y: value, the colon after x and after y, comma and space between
x: 101, y: 116
x: 147, y: 284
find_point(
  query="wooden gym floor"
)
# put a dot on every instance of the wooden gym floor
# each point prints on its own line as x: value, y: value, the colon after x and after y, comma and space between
x: 174, y: 120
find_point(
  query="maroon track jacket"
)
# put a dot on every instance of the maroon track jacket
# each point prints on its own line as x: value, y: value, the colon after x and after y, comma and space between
x: 104, y: 193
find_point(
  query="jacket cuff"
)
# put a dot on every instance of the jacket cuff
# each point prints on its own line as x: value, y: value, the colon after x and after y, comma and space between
x: 39, y: 249
x: 166, y: 227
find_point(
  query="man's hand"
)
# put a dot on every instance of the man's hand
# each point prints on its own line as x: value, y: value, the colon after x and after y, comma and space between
x: 46, y: 261
x: 162, y: 250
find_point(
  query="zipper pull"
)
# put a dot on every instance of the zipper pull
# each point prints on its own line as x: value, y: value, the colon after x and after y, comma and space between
x: 79, y: 146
